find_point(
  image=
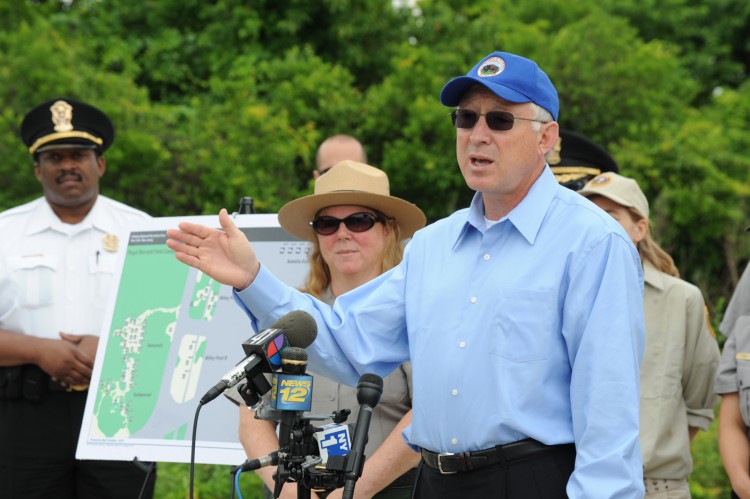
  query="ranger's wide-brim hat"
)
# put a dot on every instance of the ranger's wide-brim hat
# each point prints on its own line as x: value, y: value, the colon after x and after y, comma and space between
x: 64, y: 124
x: 350, y: 183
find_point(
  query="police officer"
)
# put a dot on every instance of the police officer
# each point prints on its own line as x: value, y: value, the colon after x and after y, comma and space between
x: 576, y: 159
x: 57, y: 259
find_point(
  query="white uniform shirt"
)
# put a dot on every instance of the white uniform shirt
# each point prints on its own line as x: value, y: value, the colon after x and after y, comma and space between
x: 56, y: 276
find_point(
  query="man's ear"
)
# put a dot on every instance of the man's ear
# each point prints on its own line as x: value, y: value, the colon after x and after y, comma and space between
x: 548, y: 139
x: 102, y: 165
x: 38, y: 171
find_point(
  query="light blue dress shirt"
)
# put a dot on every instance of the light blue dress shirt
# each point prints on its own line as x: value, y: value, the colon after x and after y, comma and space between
x: 531, y: 328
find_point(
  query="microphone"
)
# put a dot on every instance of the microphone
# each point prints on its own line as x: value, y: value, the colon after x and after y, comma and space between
x: 369, y: 390
x: 291, y: 395
x: 297, y: 328
x: 291, y: 389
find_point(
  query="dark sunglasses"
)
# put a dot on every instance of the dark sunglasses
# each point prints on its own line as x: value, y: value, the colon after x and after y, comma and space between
x: 496, y: 120
x: 356, y: 222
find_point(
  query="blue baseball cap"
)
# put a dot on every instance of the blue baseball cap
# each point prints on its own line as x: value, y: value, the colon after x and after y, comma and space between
x: 510, y: 77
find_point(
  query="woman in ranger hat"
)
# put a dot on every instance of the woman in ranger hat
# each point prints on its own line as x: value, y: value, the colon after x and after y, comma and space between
x: 356, y: 229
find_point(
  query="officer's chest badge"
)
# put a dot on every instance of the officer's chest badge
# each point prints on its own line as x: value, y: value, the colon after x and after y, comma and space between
x: 111, y: 242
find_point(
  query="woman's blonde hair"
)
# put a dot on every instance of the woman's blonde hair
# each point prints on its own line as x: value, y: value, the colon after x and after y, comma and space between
x: 650, y: 251
x: 318, y: 279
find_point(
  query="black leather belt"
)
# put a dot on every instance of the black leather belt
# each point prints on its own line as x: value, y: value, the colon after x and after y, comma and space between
x: 447, y: 463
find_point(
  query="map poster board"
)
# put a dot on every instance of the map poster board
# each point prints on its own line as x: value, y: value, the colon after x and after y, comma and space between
x: 171, y: 333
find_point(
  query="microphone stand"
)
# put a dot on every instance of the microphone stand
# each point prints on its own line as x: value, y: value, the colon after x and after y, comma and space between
x: 291, y: 396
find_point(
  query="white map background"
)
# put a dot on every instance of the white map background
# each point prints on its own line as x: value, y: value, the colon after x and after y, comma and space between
x: 171, y: 333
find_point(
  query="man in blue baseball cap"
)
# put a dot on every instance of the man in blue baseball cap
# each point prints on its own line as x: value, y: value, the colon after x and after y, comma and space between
x: 522, y: 314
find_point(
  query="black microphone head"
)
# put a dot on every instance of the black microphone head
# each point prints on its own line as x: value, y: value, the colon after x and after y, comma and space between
x: 294, y: 360
x: 369, y: 389
x: 294, y: 354
x: 299, y: 328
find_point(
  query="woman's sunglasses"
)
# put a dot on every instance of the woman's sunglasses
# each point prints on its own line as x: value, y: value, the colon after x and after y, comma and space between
x: 496, y: 120
x: 356, y: 222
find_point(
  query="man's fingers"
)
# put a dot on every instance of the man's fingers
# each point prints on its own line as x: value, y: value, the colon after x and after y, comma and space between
x: 85, y: 363
x: 73, y: 338
x: 227, y: 223
x: 188, y: 260
x: 76, y: 379
x: 198, y: 230
x: 184, y: 238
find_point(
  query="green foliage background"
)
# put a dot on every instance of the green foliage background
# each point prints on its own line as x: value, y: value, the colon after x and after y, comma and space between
x: 217, y: 100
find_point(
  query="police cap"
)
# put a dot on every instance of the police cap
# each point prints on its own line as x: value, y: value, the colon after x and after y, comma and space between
x: 576, y: 159
x: 65, y: 124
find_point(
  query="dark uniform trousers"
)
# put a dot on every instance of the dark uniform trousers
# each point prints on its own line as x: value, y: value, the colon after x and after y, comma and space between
x: 541, y: 475
x: 37, y: 454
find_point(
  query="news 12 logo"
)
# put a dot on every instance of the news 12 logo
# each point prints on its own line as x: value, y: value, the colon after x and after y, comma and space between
x: 291, y: 392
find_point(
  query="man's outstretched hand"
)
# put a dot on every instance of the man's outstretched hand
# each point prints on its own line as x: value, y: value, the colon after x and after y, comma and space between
x: 225, y: 255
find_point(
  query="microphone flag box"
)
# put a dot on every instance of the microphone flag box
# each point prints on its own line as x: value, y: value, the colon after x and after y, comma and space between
x: 269, y: 344
x: 291, y: 392
x: 333, y: 440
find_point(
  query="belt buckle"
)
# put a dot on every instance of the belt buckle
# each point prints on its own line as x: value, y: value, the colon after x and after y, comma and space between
x: 440, y: 463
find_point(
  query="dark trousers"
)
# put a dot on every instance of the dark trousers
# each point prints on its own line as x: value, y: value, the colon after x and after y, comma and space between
x: 37, y: 454
x: 540, y: 477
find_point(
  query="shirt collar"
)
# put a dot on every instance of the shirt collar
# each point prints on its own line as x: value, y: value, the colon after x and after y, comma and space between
x: 527, y: 216
x: 43, y: 218
x: 652, y: 277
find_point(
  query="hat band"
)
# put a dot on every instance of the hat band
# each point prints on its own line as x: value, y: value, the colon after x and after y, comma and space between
x: 64, y: 135
x: 565, y: 174
x: 576, y: 169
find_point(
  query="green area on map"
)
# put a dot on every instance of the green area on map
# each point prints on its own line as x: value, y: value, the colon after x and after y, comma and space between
x: 139, y: 340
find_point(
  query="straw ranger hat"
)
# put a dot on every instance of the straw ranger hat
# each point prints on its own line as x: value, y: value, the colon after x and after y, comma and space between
x: 351, y: 183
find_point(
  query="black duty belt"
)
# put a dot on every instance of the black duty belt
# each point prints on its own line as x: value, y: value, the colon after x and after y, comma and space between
x: 447, y: 463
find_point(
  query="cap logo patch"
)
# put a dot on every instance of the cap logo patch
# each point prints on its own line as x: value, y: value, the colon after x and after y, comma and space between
x: 491, y: 67
x: 601, y: 180
x: 62, y: 116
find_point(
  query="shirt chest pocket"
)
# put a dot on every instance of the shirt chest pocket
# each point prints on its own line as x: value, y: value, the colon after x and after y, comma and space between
x: 523, y: 325
x: 34, y: 276
x: 102, y: 266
